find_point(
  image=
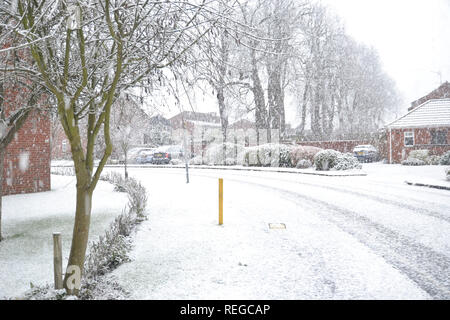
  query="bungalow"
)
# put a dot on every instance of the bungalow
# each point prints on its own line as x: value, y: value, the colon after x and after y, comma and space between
x: 426, y: 126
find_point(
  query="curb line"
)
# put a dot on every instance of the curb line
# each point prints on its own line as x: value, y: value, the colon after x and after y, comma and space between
x: 427, y: 185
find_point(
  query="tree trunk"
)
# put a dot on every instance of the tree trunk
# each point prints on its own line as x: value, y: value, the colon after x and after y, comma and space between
x: 223, y: 120
x: 74, y: 270
x: 303, y: 109
x: 126, y: 164
x: 2, y: 159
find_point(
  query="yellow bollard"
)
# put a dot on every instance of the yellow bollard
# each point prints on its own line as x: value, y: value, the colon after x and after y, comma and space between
x: 220, y: 201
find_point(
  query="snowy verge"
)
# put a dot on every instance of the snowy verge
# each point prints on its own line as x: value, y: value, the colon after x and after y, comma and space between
x: 109, y: 251
x: 26, y: 255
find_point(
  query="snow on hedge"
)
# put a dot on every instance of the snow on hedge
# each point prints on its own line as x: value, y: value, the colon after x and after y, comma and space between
x: 445, y: 159
x: 303, y: 153
x: 331, y: 159
x: 268, y: 155
x: 422, y: 157
x: 447, y: 173
x: 420, y: 154
x: 214, y: 154
x: 196, y: 161
x: 413, y: 162
x: 326, y: 159
x: 303, y: 164
x: 347, y: 161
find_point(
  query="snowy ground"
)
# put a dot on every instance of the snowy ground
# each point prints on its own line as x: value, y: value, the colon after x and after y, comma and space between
x: 357, y: 237
x: 26, y: 256
x: 346, y: 237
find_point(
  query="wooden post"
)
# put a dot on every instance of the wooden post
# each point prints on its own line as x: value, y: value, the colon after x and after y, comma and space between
x: 220, y: 201
x: 57, y: 260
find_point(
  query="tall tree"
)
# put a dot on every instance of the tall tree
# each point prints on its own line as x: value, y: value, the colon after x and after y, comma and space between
x: 85, y: 54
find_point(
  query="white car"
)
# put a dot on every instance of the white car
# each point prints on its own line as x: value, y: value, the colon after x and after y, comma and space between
x: 366, y: 153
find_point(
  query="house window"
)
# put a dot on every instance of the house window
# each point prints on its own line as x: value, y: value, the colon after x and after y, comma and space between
x: 438, y: 136
x: 409, y: 138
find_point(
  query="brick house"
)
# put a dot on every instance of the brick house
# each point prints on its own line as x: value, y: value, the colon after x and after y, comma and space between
x: 426, y: 126
x: 27, y: 158
x: 201, y: 130
x: 26, y: 163
x: 443, y: 92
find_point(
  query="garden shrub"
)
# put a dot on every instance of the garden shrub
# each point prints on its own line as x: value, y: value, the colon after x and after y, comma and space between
x: 445, y: 159
x: 419, y: 154
x: 269, y: 154
x: 434, y: 160
x: 326, y: 159
x: 214, y: 154
x: 176, y: 162
x: 303, y: 153
x: 413, y: 162
x: 196, y: 161
x: 347, y: 161
x: 303, y: 164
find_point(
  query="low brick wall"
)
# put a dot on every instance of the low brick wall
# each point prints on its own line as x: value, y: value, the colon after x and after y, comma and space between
x: 341, y: 146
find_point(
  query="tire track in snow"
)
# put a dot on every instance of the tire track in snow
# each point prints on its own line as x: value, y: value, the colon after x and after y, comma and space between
x: 430, y: 270
x: 412, y: 208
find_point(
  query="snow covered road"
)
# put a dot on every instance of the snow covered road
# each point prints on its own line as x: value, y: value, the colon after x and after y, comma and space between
x: 345, y: 238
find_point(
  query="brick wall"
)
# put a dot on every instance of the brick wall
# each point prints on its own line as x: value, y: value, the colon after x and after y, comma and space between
x: 422, y: 140
x: 341, y: 146
x: 27, y: 159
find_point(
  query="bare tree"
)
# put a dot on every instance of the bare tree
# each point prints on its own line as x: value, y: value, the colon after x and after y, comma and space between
x: 130, y: 123
x: 84, y: 54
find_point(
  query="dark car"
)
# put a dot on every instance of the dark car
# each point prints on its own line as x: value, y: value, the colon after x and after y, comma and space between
x: 161, y: 158
x: 366, y: 153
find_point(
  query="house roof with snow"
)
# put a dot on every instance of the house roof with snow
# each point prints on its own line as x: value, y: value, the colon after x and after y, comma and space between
x: 433, y: 113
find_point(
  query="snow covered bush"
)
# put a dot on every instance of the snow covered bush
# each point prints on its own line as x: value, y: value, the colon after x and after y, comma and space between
x: 303, y: 153
x: 347, y: 161
x: 63, y: 171
x: 447, y: 173
x: 268, y: 155
x: 176, y: 162
x: 445, y: 159
x: 326, y: 159
x: 332, y: 159
x: 196, y: 161
x: 303, y: 164
x: 413, y: 162
x: 434, y: 160
x: 419, y: 154
x: 214, y: 154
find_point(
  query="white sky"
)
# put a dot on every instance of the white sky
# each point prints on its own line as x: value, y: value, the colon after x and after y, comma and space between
x: 412, y: 38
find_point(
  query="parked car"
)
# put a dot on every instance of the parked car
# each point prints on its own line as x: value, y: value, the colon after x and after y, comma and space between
x: 164, y: 154
x: 366, y: 153
x: 161, y: 158
x: 175, y: 151
x: 133, y: 154
x: 145, y: 156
